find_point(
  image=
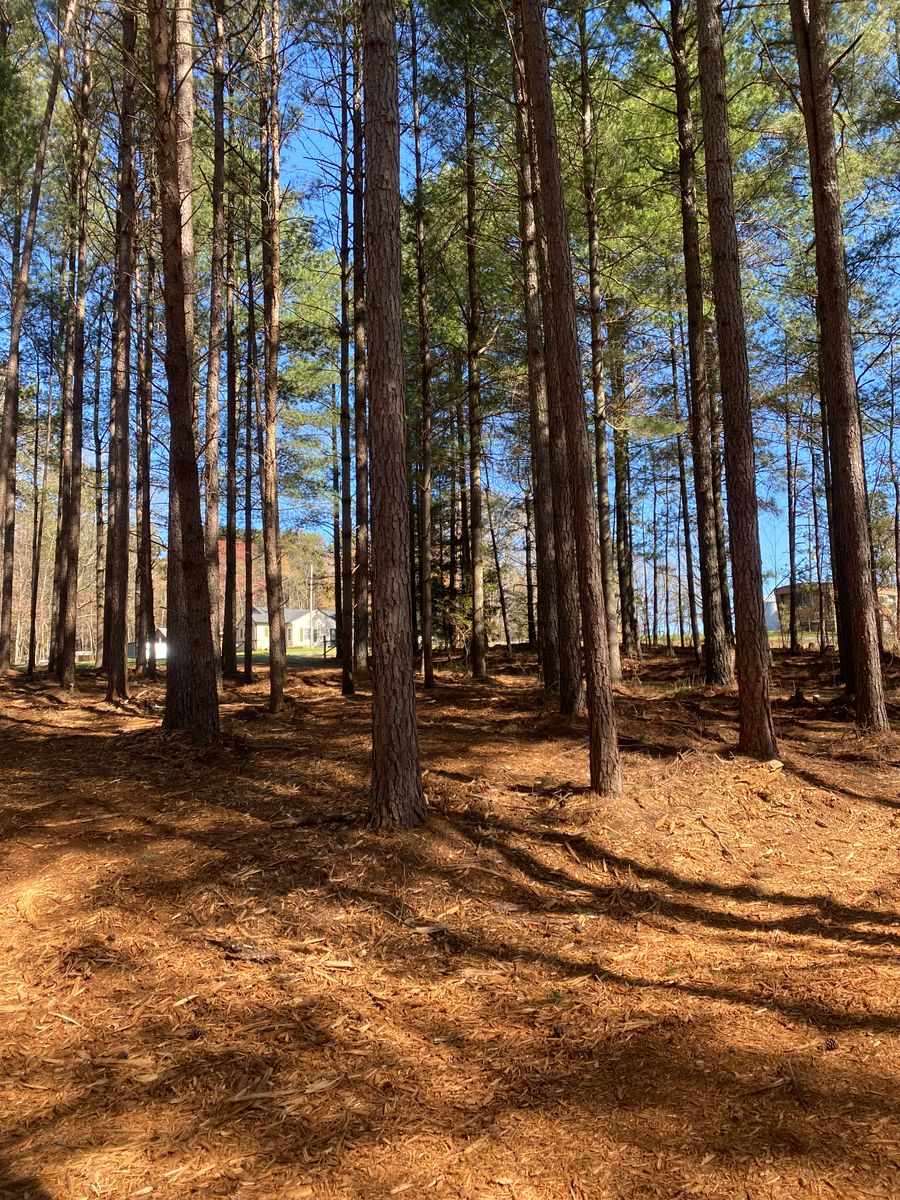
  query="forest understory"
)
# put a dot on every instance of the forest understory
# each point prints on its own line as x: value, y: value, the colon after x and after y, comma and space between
x: 216, y: 982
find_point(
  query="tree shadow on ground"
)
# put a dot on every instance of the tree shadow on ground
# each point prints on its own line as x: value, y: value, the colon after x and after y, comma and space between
x: 476, y: 1023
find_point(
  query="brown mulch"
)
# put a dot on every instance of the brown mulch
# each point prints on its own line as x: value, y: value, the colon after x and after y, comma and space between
x: 215, y: 982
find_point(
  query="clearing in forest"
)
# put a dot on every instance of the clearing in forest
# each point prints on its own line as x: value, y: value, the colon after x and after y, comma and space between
x: 215, y: 982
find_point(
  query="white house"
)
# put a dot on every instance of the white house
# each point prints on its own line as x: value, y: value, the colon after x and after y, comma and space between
x: 303, y: 627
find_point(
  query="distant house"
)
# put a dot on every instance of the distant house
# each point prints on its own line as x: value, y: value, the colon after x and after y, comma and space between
x: 303, y: 627
x: 160, y: 646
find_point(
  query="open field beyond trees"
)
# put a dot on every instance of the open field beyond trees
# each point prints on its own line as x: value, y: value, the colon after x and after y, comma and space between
x: 216, y: 982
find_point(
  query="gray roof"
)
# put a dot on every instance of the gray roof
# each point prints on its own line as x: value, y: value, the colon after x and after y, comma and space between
x: 261, y: 615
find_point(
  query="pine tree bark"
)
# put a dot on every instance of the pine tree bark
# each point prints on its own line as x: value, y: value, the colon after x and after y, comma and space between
x: 192, y: 703
x: 229, y: 623
x: 424, y: 366
x: 397, y: 799
x: 547, y: 595
x: 67, y: 295
x: 346, y: 647
x: 572, y: 697
x: 631, y: 646
x: 716, y: 651
x: 71, y: 469
x: 851, y: 527
x: 270, y: 208
x: 757, y: 734
x: 216, y: 304
x: 604, y: 755
x: 685, y: 507
x: 473, y: 352
x: 145, y: 623
x: 99, y: 521
x: 360, y: 417
x: 598, y: 383
x: 118, y: 488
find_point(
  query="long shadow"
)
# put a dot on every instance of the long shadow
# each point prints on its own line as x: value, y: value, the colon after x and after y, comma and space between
x: 832, y: 785
x: 592, y: 852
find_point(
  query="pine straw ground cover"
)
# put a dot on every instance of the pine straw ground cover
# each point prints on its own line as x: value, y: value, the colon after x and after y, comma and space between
x: 214, y: 982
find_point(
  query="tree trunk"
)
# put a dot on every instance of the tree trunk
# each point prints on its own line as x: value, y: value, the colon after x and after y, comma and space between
x: 473, y: 337
x: 71, y: 511
x: 9, y: 426
x: 685, y: 508
x: 346, y: 508
x: 145, y: 632
x: 270, y: 208
x: 757, y: 734
x: 493, y: 535
x: 118, y: 489
x: 424, y: 367
x: 229, y: 625
x: 604, y: 756
x: 192, y: 702
x: 67, y: 296
x: 99, y: 523
x: 214, y: 358
x: 853, y: 542
x: 360, y: 419
x: 252, y: 378
x: 529, y: 571
x: 793, y: 627
x: 598, y: 383
x: 717, y: 655
x: 38, y: 513
x: 397, y: 798
x: 547, y: 594
x: 622, y: 464
x: 572, y: 697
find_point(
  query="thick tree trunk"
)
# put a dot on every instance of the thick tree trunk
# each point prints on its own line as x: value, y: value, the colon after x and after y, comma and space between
x: 604, y: 756
x: 598, y: 383
x: 118, y: 489
x: 571, y: 677
x: 717, y: 654
x: 397, y: 798
x: 360, y: 418
x: 214, y: 357
x: 852, y: 540
x: 757, y: 735
x: 473, y: 340
x: 9, y: 426
x: 191, y: 688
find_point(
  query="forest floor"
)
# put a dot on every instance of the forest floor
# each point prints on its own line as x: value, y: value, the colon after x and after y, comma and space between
x: 215, y: 982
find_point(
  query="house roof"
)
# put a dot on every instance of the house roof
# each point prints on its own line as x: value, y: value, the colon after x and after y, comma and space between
x: 261, y: 615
